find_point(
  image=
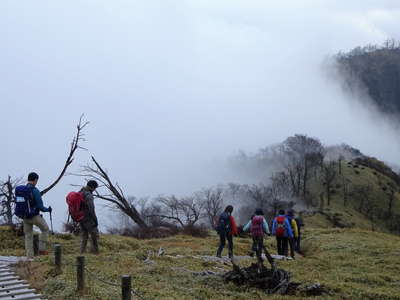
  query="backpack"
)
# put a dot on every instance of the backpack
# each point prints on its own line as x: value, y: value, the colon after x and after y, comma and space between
x: 75, y: 201
x: 280, y: 226
x: 256, y: 228
x: 25, y: 206
x: 223, y: 223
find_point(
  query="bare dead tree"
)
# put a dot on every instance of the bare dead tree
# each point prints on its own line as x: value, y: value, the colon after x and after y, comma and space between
x: 213, y: 202
x: 328, y: 177
x: 280, y: 190
x: 7, y: 199
x: 234, y: 188
x: 300, y: 154
x: 185, y: 211
x: 79, y: 137
x: 362, y: 194
x: 114, y: 194
x: 346, y: 189
x: 260, y: 193
x: 390, y: 203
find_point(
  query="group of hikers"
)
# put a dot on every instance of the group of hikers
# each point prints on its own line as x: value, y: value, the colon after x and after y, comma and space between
x: 285, y: 227
x: 29, y: 204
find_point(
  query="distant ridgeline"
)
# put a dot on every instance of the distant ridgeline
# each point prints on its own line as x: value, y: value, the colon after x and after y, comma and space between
x: 376, y: 70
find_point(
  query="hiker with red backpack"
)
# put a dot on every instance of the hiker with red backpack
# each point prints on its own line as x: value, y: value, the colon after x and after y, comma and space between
x: 28, y: 205
x: 258, y: 227
x: 282, y: 230
x: 82, y: 210
x: 226, y: 228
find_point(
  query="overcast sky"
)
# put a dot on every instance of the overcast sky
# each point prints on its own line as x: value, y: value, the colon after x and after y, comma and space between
x: 173, y: 87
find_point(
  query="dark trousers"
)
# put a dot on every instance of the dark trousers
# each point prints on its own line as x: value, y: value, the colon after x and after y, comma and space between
x: 292, y: 246
x: 297, y: 244
x: 223, y: 236
x: 258, y: 247
x: 282, y: 245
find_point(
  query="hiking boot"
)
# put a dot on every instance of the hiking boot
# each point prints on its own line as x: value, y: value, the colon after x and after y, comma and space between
x: 43, y: 252
x: 251, y: 253
x: 218, y: 255
x: 230, y: 255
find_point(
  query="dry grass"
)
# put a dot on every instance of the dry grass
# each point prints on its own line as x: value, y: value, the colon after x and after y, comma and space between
x: 352, y: 263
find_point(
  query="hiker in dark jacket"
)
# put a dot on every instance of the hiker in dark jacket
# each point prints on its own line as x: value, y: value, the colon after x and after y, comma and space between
x: 282, y: 230
x: 89, y: 224
x: 36, y: 220
x: 258, y: 227
x: 299, y: 222
x: 226, y: 228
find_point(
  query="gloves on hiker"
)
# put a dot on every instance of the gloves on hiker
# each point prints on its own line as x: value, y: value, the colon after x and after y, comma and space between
x: 50, y: 209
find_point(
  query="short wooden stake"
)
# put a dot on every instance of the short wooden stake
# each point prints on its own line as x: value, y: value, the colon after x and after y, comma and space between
x: 80, y: 273
x: 57, y: 257
x: 126, y: 287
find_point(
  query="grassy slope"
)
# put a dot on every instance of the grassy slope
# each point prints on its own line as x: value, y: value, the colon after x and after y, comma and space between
x: 366, y: 176
x: 354, y: 263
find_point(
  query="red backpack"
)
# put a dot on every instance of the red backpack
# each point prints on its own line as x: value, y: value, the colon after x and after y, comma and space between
x: 256, y: 228
x: 75, y: 203
x: 280, y: 226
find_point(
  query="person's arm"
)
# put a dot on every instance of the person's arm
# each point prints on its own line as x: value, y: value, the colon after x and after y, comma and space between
x: 274, y: 227
x: 38, y: 200
x: 266, y: 227
x: 90, y: 207
x: 295, y: 229
x: 247, y: 226
x: 289, y: 228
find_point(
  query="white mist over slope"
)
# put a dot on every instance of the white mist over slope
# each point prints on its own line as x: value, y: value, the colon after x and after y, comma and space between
x: 172, y: 87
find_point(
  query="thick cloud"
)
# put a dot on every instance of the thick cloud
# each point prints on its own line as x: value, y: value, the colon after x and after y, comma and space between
x: 171, y: 87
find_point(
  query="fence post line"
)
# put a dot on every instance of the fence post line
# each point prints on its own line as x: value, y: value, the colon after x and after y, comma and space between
x: 126, y: 287
x: 80, y: 273
x: 35, y: 244
x: 57, y: 257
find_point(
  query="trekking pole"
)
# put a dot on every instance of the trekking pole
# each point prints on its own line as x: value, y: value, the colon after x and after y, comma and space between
x: 51, y: 223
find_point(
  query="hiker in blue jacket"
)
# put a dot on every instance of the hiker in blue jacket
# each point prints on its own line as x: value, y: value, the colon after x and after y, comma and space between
x: 36, y: 219
x: 226, y: 229
x: 282, y: 229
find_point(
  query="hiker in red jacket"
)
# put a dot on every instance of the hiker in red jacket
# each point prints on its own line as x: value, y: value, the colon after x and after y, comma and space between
x: 226, y: 229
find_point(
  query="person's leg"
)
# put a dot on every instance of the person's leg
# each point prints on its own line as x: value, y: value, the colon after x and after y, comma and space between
x: 279, y: 245
x: 285, y: 246
x: 221, y: 243
x: 28, y: 232
x: 253, y: 247
x: 291, y: 244
x: 268, y: 256
x: 84, y: 239
x: 298, y: 248
x: 40, y: 222
x: 94, y: 236
x: 259, y: 246
x: 230, y: 245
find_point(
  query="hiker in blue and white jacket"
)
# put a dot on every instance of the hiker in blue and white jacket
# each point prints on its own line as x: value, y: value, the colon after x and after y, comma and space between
x: 258, y: 226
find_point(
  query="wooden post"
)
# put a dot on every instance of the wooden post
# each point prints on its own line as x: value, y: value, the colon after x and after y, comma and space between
x: 80, y: 273
x: 57, y: 257
x: 126, y: 287
x: 35, y: 244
